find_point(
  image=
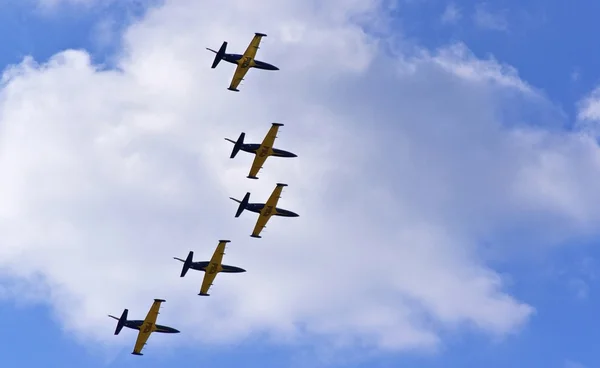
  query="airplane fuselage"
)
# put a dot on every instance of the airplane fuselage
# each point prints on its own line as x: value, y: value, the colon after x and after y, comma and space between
x: 269, y: 210
x: 256, y: 149
x: 205, y: 266
x: 137, y: 325
x: 248, y: 62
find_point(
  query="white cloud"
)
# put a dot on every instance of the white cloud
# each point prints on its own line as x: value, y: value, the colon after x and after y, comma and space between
x: 405, y: 164
x: 589, y: 107
x: 488, y: 19
x: 451, y: 15
x: 458, y: 60
x: 588, y: 114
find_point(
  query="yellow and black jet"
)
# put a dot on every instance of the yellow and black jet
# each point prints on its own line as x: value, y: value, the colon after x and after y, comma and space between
x: 146, y: 327
x: 211, y: 268
x: 244, y: 62
x: 261, y: 151
x: 265, y: 210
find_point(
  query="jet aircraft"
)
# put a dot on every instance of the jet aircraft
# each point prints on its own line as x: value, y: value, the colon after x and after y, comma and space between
x: 146, y: 327
x: 265, y: 210
x: 210, y: 268
x: 261, y: 151
x: 244, y: 62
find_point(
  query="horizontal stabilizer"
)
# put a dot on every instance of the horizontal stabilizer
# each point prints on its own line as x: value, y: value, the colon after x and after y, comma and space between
x: 242, y: 205
x: 237, y: 144
x: 121, y: 321
x: 260, y: 34
x: 186, y: 264
x: 219, y: 54
x: 281, y: 185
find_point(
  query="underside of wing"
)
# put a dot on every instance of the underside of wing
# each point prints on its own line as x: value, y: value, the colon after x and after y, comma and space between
x: 153, y: 312
x: 257, y: 164
x: 238, y: 76
x: 264, y: 151
x: 260, y: 224
x: 269, y: 139
x: 253, y: 46
x: 143, y: 336
x: 217, y: 256
x: 274, y: 198
x: 147, y: 326
x: 207, y: 282
x: 214, y: 267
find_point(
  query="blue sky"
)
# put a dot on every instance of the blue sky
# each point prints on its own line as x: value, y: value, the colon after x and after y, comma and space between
x: 551, y: 43
x: 544, y: 40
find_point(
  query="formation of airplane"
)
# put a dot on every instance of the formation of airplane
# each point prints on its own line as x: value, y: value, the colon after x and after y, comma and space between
x: 261, y: 151
x: 244, y: 62
x: 265, y: 210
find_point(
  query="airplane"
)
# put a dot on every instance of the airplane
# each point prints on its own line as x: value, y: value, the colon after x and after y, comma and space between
x: 210, y: 268
x: 261, y: 151
x: 266, y: 210
x: 146, y: 327
x: 243, y: 62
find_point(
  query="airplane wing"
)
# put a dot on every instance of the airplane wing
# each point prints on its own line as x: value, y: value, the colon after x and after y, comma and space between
x: 213, y: 268
x: 253, y: 46
x: 264, y: 150
x: 257, y: 164
x: 274, y: 198
x: 271, y: 135
x: 147, y: 327
x: 246, y: 61
x: 141, y: 341
x: 260, y: 224
x: 267, y: 211
x: 238, y: 76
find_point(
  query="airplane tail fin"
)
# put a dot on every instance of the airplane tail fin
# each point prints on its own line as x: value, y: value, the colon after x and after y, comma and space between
x: 236, y: 144
x: 243, y: 203
x: 219, y: 55
x: 187, y: 263
x: 121, y: 320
